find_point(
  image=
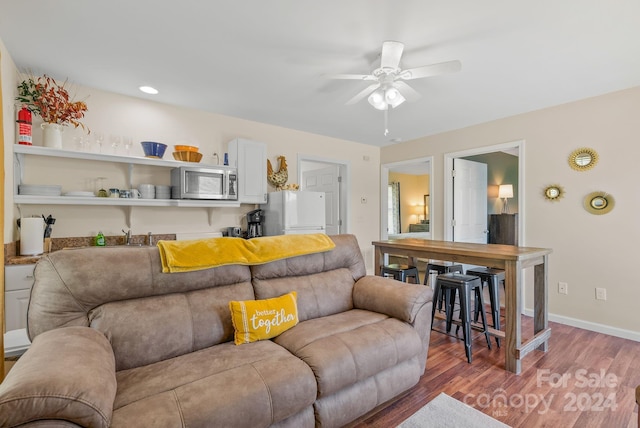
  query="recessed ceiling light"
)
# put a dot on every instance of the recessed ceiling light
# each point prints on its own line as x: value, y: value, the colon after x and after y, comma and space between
x: 148, y: 90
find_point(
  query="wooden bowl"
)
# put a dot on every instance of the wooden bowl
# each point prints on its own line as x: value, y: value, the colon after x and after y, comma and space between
x: 187, y: 156
x: 182, y: 148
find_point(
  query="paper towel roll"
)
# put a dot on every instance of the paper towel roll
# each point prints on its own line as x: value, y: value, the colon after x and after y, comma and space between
x: 31, y: 236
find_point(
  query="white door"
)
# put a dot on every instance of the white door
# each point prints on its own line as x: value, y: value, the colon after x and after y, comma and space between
x: 326, y: 180
x: 470, y: 201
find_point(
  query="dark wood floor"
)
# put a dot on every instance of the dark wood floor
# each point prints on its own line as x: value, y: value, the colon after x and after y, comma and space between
x: 586, y: 379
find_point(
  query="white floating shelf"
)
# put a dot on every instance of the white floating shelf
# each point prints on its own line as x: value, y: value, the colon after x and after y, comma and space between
x: 134, y: 160
x: 122, y: 202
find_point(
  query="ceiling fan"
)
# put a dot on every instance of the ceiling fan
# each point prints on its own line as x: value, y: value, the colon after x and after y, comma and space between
x: 389, y: 87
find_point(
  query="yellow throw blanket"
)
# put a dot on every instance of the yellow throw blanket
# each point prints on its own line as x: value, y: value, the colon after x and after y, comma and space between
x: 199, y: 254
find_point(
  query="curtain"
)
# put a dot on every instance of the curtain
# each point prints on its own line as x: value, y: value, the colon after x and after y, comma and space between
x: 393, y: 222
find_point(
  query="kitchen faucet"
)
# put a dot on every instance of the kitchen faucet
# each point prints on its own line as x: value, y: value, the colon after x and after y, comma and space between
x: 127, y: 237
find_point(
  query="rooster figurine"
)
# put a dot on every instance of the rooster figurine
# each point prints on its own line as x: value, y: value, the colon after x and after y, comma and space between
x: 280, y: 177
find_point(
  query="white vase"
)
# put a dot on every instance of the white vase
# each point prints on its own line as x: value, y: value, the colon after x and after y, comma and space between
x: 52, y: 135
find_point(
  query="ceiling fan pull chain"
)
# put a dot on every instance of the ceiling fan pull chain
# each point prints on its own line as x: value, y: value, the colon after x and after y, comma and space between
x: 386, y: 122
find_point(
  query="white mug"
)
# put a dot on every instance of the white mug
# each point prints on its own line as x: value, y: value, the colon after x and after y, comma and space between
x: 135, y: 194
x: 147, y: 191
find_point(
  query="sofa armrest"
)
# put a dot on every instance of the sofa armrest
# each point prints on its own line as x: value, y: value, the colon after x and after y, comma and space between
x: 396, y: 299
x: 67, y: 374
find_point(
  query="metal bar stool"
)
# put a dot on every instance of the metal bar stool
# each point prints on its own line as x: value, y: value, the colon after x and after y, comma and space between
x: 493, y: 277
x: 401, y: 272
x: 440, y: 268
x: 451, y: 283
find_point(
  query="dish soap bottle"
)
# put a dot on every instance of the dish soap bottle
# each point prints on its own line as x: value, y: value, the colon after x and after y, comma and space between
x: 100, y: 239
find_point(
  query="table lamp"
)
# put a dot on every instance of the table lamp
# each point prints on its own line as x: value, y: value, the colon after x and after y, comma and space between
x: 505, y: 191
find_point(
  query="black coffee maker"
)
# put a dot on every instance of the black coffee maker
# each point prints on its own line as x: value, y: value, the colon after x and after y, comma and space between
x: 255, y: 219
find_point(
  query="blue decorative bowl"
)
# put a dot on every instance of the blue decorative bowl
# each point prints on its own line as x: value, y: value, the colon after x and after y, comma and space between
x: 153, y: 150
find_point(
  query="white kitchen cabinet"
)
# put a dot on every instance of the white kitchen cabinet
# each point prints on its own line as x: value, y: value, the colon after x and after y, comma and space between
x: 18, y: 281
x: 250, y: 158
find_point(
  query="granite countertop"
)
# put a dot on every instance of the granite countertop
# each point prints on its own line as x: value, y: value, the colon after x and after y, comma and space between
x: 21, y: 260
x: 12, y: 257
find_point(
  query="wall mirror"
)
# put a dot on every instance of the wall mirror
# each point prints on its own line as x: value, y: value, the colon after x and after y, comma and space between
x: 553, y: 192
x: 599, y: 203
x: 583, y: 159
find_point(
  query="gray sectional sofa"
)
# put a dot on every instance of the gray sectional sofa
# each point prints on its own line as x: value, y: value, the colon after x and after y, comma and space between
x: 118, y: 343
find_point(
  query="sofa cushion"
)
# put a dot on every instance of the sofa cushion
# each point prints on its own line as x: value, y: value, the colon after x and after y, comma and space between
x: 146, y: 330
x: 323, y: 281
x: 255, y: 320
x: 63, y: 294
x: 67, y: 374
x: 348, y: 347
x: 338, y: 409
x: 255, y: 385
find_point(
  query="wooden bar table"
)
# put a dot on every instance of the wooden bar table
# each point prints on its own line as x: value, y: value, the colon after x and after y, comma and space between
x: 510, y: 258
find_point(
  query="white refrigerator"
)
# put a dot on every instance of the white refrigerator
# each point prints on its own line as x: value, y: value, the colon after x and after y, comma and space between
x: 294, y: 212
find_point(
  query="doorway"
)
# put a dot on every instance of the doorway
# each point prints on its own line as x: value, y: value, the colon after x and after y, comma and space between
x: 331, y: 177
x: 515, y: 148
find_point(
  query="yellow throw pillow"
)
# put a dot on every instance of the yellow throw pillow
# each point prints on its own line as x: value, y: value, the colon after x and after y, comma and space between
x: 263, y: 319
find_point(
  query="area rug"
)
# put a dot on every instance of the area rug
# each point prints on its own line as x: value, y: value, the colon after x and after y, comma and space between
x: 446, y: 412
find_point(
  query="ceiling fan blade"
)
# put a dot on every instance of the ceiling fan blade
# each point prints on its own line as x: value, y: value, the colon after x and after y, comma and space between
x: 366, y: 91
x: 391, y: 53
x: 431, y: 70
x: 351, y: 76
x: 407, y: 91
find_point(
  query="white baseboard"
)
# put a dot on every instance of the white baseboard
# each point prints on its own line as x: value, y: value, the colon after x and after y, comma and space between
x: 591, y: 326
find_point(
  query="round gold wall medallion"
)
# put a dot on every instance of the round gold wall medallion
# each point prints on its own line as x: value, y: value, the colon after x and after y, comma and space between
x: 583, y: 159
x: 553, y: 192
x: 599, y: 203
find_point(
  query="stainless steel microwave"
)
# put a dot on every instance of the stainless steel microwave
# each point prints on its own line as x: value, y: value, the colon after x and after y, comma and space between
x: 216, y: 183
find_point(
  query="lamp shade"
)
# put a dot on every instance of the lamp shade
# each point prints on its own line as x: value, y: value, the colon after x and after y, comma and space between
x: 505, y: 191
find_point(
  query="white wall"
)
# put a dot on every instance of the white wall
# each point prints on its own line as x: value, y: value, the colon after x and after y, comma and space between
x: 8, y: 80
x: 588, y: 251
x: 142, y: 119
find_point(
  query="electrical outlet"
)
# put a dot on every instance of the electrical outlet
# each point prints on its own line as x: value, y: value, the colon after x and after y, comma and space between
x: 563, y: 288
x: 601, y: 293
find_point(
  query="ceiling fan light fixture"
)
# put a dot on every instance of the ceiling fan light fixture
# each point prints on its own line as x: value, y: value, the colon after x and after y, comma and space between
x: 393, y: 97
x: 377, y: 99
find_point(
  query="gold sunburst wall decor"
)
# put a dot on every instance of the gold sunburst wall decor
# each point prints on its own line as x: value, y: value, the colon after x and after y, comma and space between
x: 553, y: 192
x: 599, y: 203
x: 583, y: 159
